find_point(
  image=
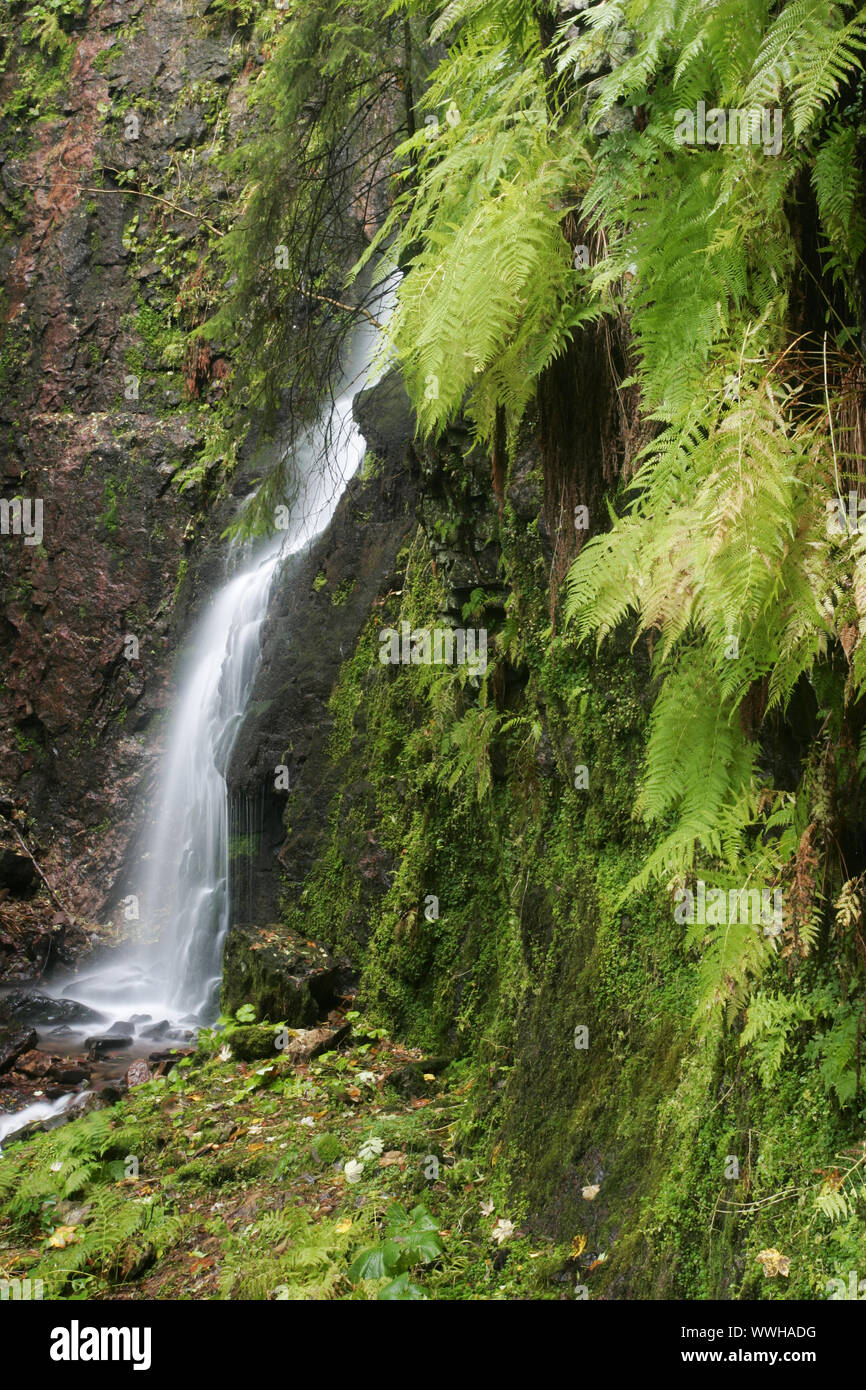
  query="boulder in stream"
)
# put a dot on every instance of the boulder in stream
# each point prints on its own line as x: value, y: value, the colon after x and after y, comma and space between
x: 105, y: 1042
x: 25, y: 1006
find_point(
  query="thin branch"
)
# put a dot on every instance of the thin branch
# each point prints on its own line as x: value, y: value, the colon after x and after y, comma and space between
x: 55, y: 897
x: 338, y: 304
x: 133, y: 192
x: 154, y: 197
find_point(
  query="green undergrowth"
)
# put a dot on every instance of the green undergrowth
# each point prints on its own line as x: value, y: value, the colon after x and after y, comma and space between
x: 475, y: 877
x: 349, y: 1177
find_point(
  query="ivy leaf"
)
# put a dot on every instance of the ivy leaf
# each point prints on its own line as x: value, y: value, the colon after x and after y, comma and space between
x: 370, y: 1264
x: 401, y: 1290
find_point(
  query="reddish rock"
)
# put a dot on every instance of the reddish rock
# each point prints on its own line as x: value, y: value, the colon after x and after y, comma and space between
x: 138, y: 1073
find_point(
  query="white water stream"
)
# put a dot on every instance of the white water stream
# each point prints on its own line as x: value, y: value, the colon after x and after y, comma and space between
x: 172, y: 971
x: 184, y: 892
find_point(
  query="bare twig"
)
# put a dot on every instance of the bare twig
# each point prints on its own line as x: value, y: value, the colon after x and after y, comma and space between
x: 350, y: 308
x: 53, y: 894
x: 155, y: 198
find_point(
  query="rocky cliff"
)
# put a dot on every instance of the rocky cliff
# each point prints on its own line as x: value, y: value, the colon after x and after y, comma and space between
x: 110, y: 130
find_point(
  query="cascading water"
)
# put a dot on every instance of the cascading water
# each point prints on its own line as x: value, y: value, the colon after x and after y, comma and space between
x: 184, y: 892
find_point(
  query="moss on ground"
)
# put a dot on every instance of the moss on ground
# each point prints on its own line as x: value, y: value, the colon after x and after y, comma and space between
x: 230, y: 1179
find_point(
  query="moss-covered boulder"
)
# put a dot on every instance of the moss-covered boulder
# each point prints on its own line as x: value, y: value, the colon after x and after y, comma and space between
x: 283, y: 975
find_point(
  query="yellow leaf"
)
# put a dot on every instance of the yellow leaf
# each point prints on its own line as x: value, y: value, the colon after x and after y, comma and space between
x: 773, y: 1263
x: 63, y: 1236
x: 343, y: 1227
x: 428, y: 1076
x: 578, y: 1245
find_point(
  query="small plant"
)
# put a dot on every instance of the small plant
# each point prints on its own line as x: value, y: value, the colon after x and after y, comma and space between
x: 409, y: 1239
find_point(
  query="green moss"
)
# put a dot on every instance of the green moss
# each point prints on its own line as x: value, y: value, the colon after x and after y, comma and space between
x: 499, y: 934
x: 342, y: 592
x: 328, y: 1148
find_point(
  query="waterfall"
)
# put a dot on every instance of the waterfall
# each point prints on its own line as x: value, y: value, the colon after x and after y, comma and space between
x: 182, y: 895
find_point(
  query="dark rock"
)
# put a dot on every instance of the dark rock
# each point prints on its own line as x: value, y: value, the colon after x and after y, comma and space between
x: 385, y: 417
x: 73, y: 1076
x: 23, y: 1007
x: 157, y: 1030
x: 17, y: 874
x: 105, y: 1042
x: 108, y: 1095
x: 409, y: 1081
x: 162, y: 1062
x: 13, y: 1044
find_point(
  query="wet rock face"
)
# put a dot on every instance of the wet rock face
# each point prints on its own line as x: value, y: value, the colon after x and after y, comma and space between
x: 97, y: 421
x: 320, y: 604
x: 14, y: 1042
x: 17, y: 874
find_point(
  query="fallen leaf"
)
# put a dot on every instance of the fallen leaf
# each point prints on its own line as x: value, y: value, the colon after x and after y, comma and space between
x: 428, y: 1076
x: 578, y: 1245
x: 502, y: 1230
x: 589, y: 1194
x: 391, y: 1157
x: 342, y: 1227
x: 773, y: 1263
x: 371, y: 1148
x: 63, y: 1236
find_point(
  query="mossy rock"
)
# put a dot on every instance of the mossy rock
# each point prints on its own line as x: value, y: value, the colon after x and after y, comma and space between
x: 284, y: 975
x: 254, y: 1042
x: 328, y: 1148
